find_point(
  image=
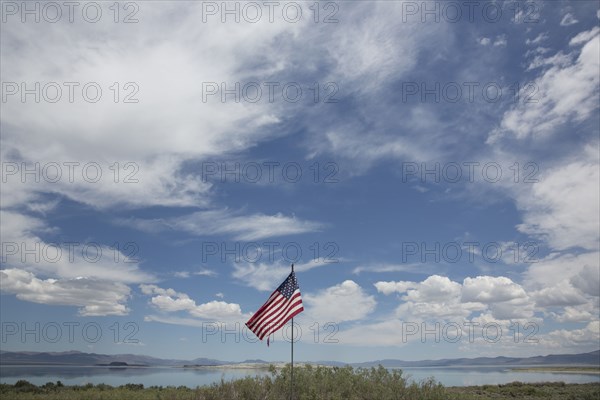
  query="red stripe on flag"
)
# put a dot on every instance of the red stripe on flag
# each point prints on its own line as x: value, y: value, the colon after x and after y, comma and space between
x: 283, y: 315
x: 258, y: 318
x: 276, y: 314
x: 278, y: 309
x: 277, y: 325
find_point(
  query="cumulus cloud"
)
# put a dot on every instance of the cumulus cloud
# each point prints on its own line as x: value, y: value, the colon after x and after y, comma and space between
x: 557, y: 268
x: 94, y: 297
x: 563, y: 294
x: 588, y: 280
x: 580, y: 313
x: 489, y: 289
x: 586, y: 337
x: 562, y: 208
x: 439, y: 297
x: 564, y: 287
x: 346, y: 301
x: 435, y: 297
x: 171, y: 301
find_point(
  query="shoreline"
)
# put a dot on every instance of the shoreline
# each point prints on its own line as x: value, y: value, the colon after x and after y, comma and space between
x: 560, y: 370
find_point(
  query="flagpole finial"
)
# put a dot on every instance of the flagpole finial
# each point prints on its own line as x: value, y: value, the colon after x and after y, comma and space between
x: 292, y: 267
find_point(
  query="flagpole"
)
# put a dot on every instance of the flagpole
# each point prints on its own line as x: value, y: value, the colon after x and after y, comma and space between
x: 292, y: 372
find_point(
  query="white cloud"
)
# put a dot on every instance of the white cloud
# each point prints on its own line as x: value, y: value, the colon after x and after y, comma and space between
x: 267, y: 277
x: 367, y: 148
x: 247, y: 228
x: 156, y: 290
x: 225, y: 222
x: 23, y: 248
x: 449, y: 310
x: 489, y: 289
x: 217, y: 310
x: 379, y: 333
x: 205, y: 272
x: 169, y: 319
x: 562, y: 294
x: 565, y: 286
x: 392, y: 287
x: 566, y: 91
x: 567, y: 340
x: 558, y: 60
x: 562, y: 208
x: 434, y: 287
x: 169, y: 304
x: 568, y: 19
x: 172, y: 123
x: 344, y: 302
x: 584, y: 36
x: 413, y: 268
x: 516, y: 309
x: 200, y: 272
x: 438, y: 297
x: 483, y: 301
x: 557, y: 268
x: 169, y: 103
x: 580, y: 313
x: 171, y: 301
x: 95, y: 297
x: 542, y: 37
x: 588, y: 280
x: 500, y: 41
x: 376, y: 47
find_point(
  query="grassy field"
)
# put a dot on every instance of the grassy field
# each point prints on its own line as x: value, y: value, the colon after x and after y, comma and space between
x: 311, y: 383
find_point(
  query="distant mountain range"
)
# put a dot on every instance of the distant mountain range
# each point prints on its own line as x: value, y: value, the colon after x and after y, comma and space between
x: 592, y: 358
x: 79, y: 358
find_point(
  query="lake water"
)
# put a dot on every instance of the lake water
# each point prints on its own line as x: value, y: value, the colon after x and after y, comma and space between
x: 161, y: 376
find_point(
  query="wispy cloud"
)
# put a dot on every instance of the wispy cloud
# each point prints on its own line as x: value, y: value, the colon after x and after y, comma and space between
x: 566, y: 91
x: 229, y: 223
x: 266, y: 277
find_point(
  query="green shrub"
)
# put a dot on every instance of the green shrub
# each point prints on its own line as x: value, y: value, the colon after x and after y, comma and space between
x: 310, y: 383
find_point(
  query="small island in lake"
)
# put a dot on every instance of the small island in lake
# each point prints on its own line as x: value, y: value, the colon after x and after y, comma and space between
x: 120, y: 364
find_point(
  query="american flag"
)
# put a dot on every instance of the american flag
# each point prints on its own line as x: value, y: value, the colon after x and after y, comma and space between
x: 283, y: 304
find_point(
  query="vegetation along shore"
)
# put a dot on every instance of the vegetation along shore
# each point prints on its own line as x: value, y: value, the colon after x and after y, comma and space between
x: 311, y: 383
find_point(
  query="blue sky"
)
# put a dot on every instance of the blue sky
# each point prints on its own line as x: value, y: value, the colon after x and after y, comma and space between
x: 435, y: 181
